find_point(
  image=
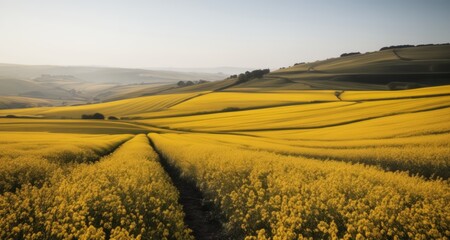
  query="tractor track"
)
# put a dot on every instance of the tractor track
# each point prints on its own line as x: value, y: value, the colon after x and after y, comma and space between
x: 199, y: 215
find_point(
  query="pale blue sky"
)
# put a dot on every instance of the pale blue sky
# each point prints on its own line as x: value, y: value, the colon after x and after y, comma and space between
x: 242, y: 33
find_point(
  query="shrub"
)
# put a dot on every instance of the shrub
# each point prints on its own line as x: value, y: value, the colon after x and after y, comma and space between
x: 190, y: 83
x: 112, y: 118
x: 93, y: 116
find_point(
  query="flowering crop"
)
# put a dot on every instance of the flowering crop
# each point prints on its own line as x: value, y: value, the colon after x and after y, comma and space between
x: 124, y: 195
x: 268, y: 196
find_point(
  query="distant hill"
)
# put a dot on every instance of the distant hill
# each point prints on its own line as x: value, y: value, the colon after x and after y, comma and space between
x: 393, y: 68
x: 224, y: 70
x: 388, y: 69
x: 85, y: 84
x: 22, y: 102
x: 104, y: 74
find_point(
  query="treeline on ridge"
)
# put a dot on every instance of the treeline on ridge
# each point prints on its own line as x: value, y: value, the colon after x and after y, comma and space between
x: 409, y: 45
x: 247, y: 76
x: 190, y: 83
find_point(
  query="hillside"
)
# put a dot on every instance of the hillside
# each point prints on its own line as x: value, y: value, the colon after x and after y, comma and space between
x: 22, y: 102
x: 391, y: 69
x: 86, y: 84
x: 388, y: 69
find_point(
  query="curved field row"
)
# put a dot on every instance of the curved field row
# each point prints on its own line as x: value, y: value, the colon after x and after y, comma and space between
x: 411, y: 154
x: 33, y: 158
x: 266, y: 195
x: 234, y: 101
x: 59, y: 147
x: 379, y: 95
x: 397, y: 126
x: 401, y: 142
x: 221, y: 100
x: 125, y: 195
x: 117, y: 108
x: 299, y: 116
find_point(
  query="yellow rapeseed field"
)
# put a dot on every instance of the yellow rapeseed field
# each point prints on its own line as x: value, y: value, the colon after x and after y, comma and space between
x: 300, y: 116
x: 32, y: 158
x: 270, y: 165
x: 117, y: 108
x: 269, y: 196
x: 125, y: 195
x: 410, y: 154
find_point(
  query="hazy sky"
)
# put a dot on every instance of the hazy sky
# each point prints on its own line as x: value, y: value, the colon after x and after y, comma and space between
x: 211, y: 33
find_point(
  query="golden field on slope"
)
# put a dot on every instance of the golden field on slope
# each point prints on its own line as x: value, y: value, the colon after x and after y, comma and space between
x: 371, y: 164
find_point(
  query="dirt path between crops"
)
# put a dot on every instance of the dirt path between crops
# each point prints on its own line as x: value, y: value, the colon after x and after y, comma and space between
x: 198, y: 213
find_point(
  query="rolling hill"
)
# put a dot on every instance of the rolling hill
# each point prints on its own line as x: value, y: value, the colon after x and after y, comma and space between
x: 86, y: 84
x: 388, y: 69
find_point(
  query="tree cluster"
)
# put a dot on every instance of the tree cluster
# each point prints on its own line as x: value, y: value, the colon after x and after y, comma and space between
x: 247, y: 76
x: 93, y: 116
x: 190, y: 83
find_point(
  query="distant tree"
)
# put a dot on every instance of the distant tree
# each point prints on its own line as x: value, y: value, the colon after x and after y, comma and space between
x: 247, y: 76
x: 242, y: 78
x: 181, y: 84
x: 98, y: 116
x: 94, y: 116
x: 112, y: 118
x: 189, y: 83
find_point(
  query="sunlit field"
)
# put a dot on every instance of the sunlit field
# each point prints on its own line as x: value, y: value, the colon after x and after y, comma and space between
x: 225, y: 120
x: 124, y: 195
x: 276, y: 165
x: 267, y: 195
